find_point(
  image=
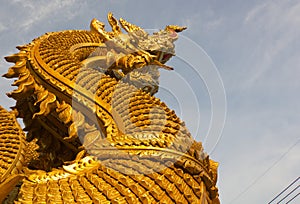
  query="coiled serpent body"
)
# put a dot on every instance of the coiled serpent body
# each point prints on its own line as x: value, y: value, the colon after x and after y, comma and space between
x: 101, y: 138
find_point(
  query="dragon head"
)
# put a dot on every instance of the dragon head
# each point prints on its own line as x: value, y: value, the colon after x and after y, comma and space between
x: 159, y: 44
x: 129, y: 54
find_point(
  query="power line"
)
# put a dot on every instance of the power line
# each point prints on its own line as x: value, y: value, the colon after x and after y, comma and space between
x: 284, y: 190
x: 292, y: 198
x: 265, y: 172
x: 289, y: 194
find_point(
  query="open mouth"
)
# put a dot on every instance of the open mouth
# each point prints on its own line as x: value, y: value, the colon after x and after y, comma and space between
x: 162, y: 57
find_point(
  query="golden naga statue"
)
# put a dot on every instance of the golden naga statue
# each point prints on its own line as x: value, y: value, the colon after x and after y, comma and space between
x: 94, y: 131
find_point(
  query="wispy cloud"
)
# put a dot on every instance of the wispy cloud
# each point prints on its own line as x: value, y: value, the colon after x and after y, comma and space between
x: 253, y: 13
x: 37, y: 11
x: 256, y: 49
x: 276, y: 25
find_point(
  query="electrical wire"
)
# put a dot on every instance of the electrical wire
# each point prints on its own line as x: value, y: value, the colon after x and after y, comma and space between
x: 284, y: 190
x: 289, y: 194
x: 292, y: 198
x: 265, y: 172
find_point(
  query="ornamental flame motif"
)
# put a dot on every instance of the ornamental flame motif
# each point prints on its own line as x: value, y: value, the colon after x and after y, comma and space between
x: 94, y: 131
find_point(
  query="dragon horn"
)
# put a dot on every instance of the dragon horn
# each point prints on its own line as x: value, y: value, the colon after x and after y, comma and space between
x: 128, y: 26
x: 114, y: 24
x: 175, y: 28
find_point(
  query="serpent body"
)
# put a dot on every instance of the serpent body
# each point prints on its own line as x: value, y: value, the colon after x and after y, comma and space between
x: 135, y: 149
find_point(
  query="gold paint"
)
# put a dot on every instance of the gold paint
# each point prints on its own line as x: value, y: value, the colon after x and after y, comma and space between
x: 95, y: 132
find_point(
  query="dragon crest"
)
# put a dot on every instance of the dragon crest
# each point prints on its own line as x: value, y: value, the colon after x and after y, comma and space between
x: 94, y: 132
x: 137, y: 48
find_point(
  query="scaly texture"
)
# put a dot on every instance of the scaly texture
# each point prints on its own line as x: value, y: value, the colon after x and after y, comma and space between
x: 79, y: 90
x: 15, y: 152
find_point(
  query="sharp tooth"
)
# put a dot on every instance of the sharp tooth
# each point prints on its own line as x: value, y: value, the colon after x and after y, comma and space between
x: 160, y: 56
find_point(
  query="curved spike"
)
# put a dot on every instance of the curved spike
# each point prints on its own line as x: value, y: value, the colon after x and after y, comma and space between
x: 46, y: 105
x: 41, y: 93
x: 78, y: 121
x: 16, y: 57
x: 24, y: 89
x: 113, y: 22
x: 98, y: 27
x: 23, y: 47
x: 16, y: 70
x: 128, y: 26
x: 25, y: 77
x: 175, y: 28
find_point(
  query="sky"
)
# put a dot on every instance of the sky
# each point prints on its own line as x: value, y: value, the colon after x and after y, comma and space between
x: 235, y: 84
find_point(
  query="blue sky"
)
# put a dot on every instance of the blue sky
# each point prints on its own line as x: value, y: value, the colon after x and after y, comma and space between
x: 253, y: 45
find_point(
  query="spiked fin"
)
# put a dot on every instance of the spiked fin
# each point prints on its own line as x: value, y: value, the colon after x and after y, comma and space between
x: 47, y: 102
x: 114, y: 24
x: 128, y: 26
x: 98, y: 27
x: 26, y: 85
x: 176, y: 28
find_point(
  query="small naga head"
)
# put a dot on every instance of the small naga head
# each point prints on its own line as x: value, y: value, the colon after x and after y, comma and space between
x: 129, y: 53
